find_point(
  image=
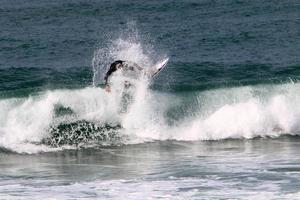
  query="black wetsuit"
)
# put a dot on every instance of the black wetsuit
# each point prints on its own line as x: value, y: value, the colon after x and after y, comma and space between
x: 118, y: 64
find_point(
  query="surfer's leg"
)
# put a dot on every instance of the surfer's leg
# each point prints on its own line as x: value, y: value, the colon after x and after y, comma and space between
x: 127, y: 98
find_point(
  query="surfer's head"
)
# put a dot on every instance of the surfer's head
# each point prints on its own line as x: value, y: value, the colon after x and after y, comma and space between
x: 118, y: 64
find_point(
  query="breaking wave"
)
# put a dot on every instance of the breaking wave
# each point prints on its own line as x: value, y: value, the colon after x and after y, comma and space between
x: 91, y: 116
x: 73, y: 118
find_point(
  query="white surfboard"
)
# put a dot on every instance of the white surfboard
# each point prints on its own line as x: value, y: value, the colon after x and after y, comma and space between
x: 154, y: 70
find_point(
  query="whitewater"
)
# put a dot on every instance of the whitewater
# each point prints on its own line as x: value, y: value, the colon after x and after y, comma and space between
x: 239, y: 112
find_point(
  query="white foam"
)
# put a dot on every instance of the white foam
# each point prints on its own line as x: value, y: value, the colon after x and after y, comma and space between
x: 275, y: 111
x: 168, y: 188
x: 271, y: 113
x: 28, y: 120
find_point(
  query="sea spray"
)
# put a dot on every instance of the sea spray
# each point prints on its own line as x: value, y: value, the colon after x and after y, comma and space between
x: 128, y: 45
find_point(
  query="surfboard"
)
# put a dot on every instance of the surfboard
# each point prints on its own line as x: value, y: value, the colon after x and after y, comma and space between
x: 154, y: 70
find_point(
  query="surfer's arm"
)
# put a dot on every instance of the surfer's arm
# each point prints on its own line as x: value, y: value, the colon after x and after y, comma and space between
x: 107, y: 87
x: 136, y: 66
x: 107, y: 75
x: 132, y: 66
x: 106, y: 80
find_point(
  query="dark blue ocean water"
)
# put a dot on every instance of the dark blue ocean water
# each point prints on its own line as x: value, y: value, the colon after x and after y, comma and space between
x: 51, y: 43
x: 221, y: 121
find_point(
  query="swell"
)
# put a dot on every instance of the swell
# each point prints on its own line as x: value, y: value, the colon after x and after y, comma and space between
x: 20, y: 82
x: 200, y: 76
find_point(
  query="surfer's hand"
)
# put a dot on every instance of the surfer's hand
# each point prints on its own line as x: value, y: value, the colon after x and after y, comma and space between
x: 107, y: 88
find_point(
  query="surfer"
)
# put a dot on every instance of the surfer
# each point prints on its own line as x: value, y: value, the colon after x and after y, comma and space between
x: 125, y: 66
x: 127, y: 75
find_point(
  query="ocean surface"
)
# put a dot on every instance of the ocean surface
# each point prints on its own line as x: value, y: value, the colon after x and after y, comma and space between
x: 221, y: 121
